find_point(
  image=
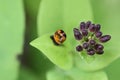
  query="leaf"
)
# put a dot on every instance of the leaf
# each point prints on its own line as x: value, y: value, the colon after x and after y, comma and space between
x: 50, y: 16
x: 110, y: 24
x: 11, y: 37
x: 75, y: 11
x: 27, y: 74
x: 76, y: 74
x: 71, y: 12
x: 55, y: 75
x: 59, y: 55
x: 34, y: 60
x: 62, y: 14
x: 113, y: 70
x: 108, y: 15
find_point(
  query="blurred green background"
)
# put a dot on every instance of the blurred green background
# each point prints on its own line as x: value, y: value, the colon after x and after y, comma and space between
x: 19, y: 26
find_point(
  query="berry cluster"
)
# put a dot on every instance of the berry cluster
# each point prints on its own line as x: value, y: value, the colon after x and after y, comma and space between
x: 91, y: 38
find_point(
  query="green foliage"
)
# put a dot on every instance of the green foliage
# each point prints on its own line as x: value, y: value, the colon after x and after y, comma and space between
x: 33, y: 58
x: 50, y: 16
x: 113, y: 70
x: 75, y: 74
x: 71, y: 15
x: 64, y: 17
x: 11, y: 38
x: 59, y: 55
x: 42, y: 18
x: 108, y: 15
x: 62, y: 14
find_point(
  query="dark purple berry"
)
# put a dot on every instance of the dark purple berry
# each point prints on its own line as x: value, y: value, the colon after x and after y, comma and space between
x: 84, y: 32
x: 77, y: 34
x: 99, y: 47
x: 92, y: 42
x: 98, y: 26
x: 105, y: 38
x: 92, y: 28
x: 85, y: 45
x: 91, y: 52
x: 98, y: 34
x: 79, y: 48
x: 82, y: 25
x: 99, y: 52
x: 87, y: 24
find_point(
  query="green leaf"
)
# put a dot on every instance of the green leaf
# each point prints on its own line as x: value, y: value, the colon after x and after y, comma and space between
x: 76, y: 74
x: 62, y: 14
x: 108, y: 15
x: 70, y: 13
x: 28, y: 74
x: 59, y: 55
x: 75, y: 11
x: 113, y: 70
x: 55, y: 75
x: 50, y: 17
x: 110, y: 24
x: 11, y: 37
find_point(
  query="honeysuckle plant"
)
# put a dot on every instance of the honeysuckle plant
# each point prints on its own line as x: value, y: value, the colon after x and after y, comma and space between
x: 67, y: 15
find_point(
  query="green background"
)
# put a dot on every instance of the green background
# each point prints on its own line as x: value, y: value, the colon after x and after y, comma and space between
x: 20, y: 23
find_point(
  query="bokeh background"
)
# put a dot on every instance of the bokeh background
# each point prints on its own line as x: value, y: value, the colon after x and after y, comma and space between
x: 19, y: 26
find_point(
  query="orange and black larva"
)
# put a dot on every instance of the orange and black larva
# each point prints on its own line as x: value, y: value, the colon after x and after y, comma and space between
x: 59, y: 37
